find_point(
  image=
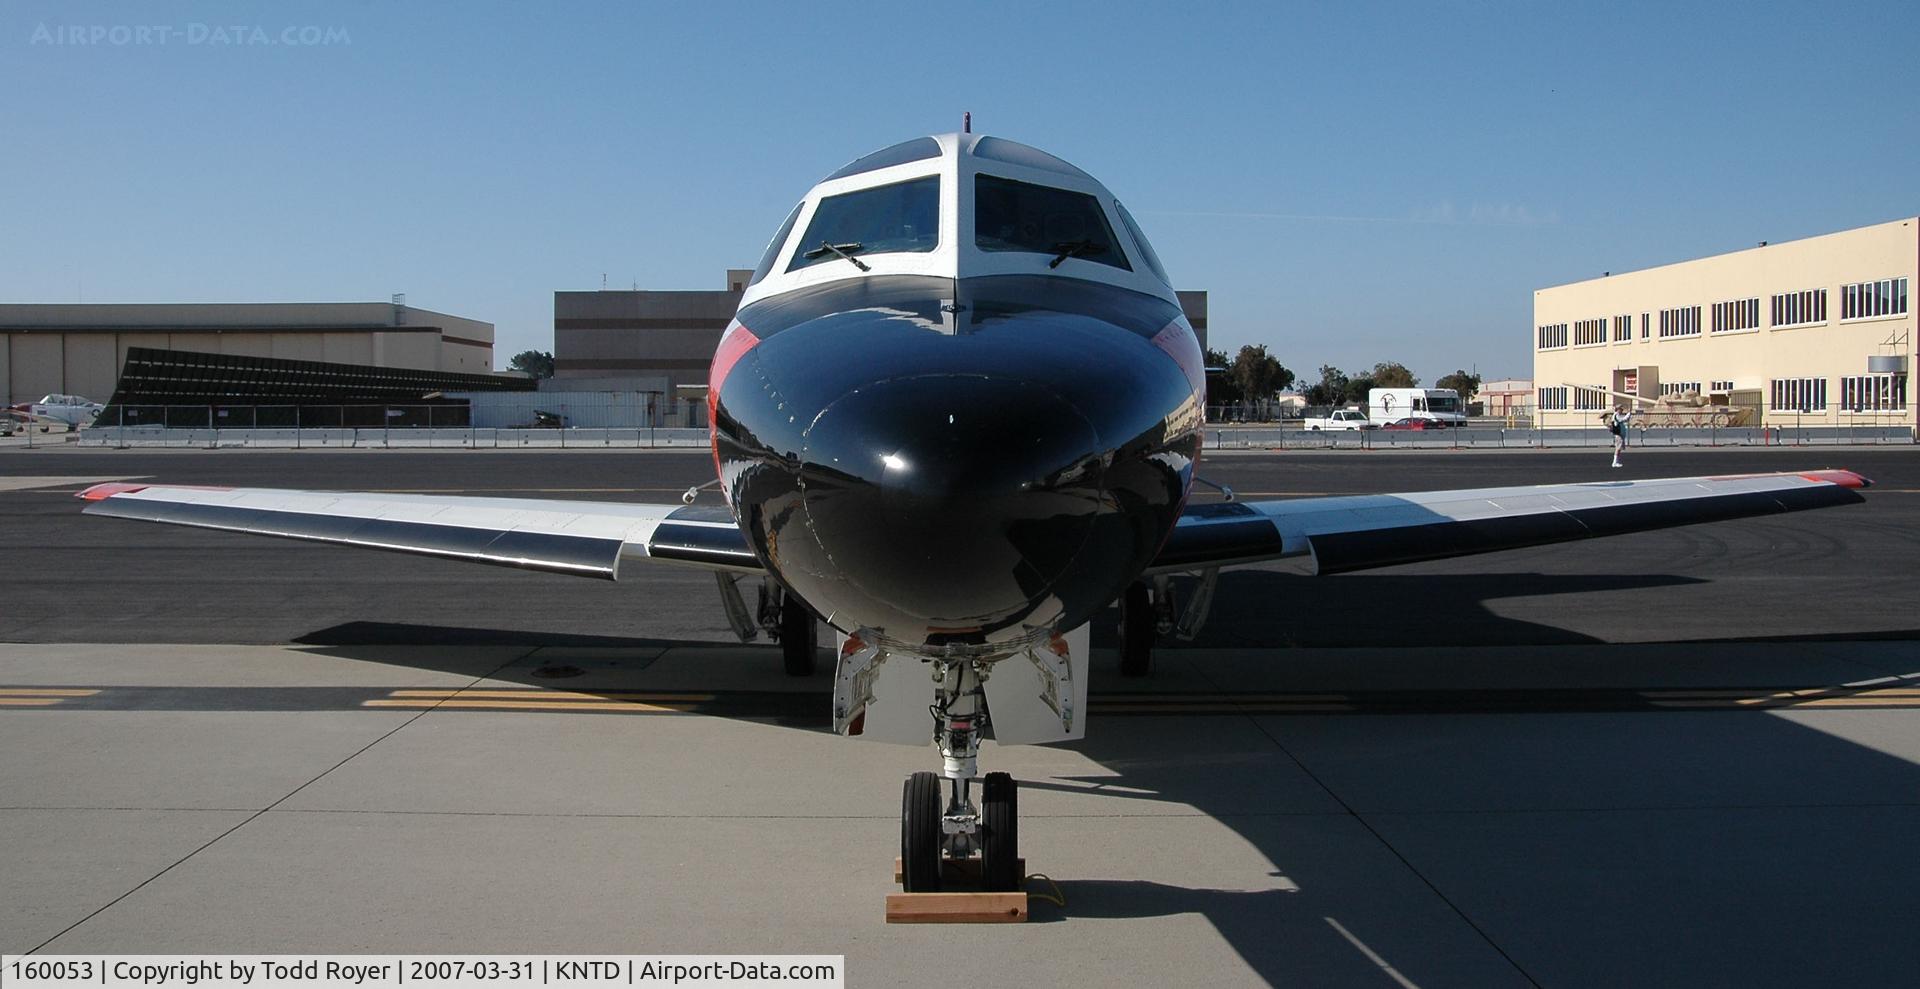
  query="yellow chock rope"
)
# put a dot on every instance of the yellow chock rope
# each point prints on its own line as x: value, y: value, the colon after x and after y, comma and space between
x: 1056, y: 897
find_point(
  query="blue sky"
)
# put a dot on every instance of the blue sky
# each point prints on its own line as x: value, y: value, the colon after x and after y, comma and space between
x: 1352, y: 182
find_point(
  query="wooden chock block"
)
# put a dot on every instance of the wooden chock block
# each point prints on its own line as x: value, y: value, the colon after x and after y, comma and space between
x: 956, y: 908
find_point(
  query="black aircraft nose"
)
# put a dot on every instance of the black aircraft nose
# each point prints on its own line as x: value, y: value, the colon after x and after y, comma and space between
x: 949, y: 505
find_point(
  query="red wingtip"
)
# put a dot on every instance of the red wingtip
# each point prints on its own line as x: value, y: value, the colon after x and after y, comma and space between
x: 101, y: 492
x: 1844, y: 478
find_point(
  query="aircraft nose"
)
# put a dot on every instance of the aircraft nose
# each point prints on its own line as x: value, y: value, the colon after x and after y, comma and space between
x: 951, y: 503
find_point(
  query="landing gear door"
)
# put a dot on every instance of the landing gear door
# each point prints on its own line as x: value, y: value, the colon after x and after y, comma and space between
x: 1042, y: 697
x: 901, y: 688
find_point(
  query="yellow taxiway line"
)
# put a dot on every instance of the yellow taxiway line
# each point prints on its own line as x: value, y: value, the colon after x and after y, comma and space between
x: 625, y: 707
x: 554, y: 695
x: 40, y: 696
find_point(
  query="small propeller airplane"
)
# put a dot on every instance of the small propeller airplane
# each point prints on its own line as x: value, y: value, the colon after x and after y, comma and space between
x: 957, y: 415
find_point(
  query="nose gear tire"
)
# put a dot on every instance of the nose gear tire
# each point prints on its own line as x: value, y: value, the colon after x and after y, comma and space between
x: 1000, y: 833
x: 920, y: 834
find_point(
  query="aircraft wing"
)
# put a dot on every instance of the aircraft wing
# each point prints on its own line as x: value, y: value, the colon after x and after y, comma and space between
x: 585, y: 538
x: 1337, y: 535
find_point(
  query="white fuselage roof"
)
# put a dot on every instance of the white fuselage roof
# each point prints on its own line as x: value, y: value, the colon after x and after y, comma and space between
x: 961, y: 157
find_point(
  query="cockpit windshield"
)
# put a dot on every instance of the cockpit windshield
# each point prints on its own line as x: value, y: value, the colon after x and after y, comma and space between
x: 1038, y: 219
x: 902, y: 217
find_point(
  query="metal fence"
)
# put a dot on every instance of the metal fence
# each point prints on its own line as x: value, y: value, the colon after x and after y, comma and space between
x: 507, y: 420
x: 640, y: 419
x: 492, y: 410
x: 1496, y: 436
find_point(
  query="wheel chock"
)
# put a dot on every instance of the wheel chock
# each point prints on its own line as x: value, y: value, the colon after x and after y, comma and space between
x: 957, y: 906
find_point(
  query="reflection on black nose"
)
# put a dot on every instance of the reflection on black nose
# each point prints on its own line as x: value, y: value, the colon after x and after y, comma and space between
x: 952, y: 502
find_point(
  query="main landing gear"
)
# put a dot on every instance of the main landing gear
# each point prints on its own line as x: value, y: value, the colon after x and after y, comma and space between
x: 783, y: 616
x: 798, y: 634
x: 1147, y: 612
x: 934, y: 832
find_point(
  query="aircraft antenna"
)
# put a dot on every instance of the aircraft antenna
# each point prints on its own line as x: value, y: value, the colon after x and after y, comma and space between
x: 966, y: 122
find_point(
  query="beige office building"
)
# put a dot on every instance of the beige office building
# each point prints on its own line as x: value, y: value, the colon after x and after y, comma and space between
x: 1814, y: 332
x: 79, y: 349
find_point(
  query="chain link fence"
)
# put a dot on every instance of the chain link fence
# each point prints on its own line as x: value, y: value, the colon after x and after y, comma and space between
x: 646, y: 419
x: 1671, y: 427
x: 486, y: 420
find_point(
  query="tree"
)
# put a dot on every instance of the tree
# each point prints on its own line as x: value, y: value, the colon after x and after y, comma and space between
x: 1388, y: 374
x: 1258, y: 374
x: 1221, y: 389
x: 534, y: 363
x: 1358, y: 387
x: 1468, y: 385
x: 1331, y: 388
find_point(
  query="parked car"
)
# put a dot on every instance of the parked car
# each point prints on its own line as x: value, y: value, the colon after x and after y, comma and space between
x: 1412, y: 422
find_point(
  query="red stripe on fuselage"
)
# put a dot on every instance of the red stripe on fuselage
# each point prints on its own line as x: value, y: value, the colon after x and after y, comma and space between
x: 733, y: 346
x: 1179, y: 342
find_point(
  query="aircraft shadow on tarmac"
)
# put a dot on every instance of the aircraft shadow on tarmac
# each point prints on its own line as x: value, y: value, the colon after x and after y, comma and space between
x: 1252, y: 608
x: 1677, y: 847
x: 1264, y: 609
x: 349, y: 634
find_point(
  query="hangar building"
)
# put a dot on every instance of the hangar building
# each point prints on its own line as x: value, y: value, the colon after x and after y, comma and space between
x: 672, y: 335
x: 80, y: 349
x: 1815, y: 332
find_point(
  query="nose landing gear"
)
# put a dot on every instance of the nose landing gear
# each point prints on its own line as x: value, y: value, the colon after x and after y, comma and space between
x: 959, y: 834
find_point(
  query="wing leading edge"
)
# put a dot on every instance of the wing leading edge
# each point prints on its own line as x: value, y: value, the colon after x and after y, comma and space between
x: 584, y: 538
x: 1337, y: 535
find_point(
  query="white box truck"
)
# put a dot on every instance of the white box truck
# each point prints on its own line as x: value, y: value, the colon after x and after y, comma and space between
x: 1385, y: 405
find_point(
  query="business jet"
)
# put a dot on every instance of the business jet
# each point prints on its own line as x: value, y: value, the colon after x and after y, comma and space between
x: 957, y: 415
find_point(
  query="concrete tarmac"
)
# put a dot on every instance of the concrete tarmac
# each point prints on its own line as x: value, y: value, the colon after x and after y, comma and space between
x: 1674, y: 758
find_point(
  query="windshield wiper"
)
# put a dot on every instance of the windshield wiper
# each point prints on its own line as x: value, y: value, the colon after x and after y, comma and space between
x: 843, y: 250
x: 1075, y: 249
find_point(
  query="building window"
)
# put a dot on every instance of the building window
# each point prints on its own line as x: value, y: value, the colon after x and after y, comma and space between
x: 1800, y: 394
x: 1682, y: 322
x: 1646, y: 319
x: 1622, y: 329
x: 1740, y: 314
x: 1590, y: 399
x: 1551, y: 336
x: 1874, y: 393
x: 1722, y: 387
x: 1588, y: 332
x: 1678, y: 388
x: 1800, y: 308
x: 1553, y: 398
x: 1868, y: 300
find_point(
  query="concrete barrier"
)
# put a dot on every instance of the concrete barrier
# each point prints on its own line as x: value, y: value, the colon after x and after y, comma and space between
x: 1231, y: 438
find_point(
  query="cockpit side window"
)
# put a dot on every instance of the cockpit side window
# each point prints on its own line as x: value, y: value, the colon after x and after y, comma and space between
x: 900, y: 218
x: 1038, y: 219
x: 767, y: 260
x: 1147, y: 253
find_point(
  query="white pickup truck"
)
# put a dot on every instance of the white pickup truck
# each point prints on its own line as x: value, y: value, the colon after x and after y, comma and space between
x: 1342, y: 419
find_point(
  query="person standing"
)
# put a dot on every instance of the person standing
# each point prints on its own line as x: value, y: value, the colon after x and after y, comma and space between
x: 1617, y: 419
